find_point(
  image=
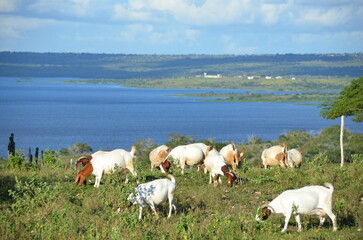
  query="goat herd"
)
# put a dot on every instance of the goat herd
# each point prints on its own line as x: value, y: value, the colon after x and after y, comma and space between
x: 311, y: 200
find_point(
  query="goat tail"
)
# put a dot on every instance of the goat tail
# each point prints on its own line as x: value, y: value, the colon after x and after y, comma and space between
x: 133, y: 150
x: 330, y: 186
x: 171, y: 178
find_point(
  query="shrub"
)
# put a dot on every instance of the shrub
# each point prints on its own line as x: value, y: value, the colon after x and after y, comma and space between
x: 50, y: 156
x: 16, y: 161
x: 79, y: 148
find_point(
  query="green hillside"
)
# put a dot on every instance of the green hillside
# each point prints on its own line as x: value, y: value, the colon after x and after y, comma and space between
x: 129, y: 66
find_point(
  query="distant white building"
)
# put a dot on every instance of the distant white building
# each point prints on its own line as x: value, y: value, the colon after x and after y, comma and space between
x: 212, y: 76
x: 253, y: 77
x: 268, y: 77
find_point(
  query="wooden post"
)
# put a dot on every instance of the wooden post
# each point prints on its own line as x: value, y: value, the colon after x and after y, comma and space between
x: 341, y: 141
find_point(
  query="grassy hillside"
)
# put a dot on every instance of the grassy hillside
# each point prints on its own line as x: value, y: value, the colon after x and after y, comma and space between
x: 131, y: 66
x: 42, y: 201
x: 254, y: 97
x: 283, y: 84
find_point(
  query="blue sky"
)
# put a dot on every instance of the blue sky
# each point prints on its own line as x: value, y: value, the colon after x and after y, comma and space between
x: 182, y: 26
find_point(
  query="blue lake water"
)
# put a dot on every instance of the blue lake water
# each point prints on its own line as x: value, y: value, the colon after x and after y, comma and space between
x: 53, y: 115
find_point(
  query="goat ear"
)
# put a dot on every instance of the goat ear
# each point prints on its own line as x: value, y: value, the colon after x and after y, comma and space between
x: 243, y: 151
x: 233, y: 145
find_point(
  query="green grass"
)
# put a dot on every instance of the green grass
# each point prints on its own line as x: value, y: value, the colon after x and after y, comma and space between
x: 302, y: 83
x: 254, y: 97
x: 44, y: 203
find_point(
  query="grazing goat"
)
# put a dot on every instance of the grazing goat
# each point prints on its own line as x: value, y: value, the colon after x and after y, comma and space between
x: 106, y: 163
x: 216, y: 166
x: 205, y: 148
x: 276, y: 155
x: 311, y: 200
x: 82, y: 161
x: 187, y: 155
x: 153, y: 193
x: 157, y: 158
x: 232, y: 155
x: 294, y: 158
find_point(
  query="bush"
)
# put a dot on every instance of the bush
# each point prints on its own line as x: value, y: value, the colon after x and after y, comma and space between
x: 79, y: 148
x: 50, y: 156
x: 16, y: 161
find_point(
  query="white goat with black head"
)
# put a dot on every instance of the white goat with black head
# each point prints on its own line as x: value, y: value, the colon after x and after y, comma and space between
x: 310, y: 200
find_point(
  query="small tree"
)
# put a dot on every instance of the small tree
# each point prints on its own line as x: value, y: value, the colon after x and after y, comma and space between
x: 176, y: 139
x: 349, y: 103
x: 80, y: 148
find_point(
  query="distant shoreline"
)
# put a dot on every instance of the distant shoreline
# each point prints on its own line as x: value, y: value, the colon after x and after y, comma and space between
x: 326, y: 90
x: 315, y: 97
x: 301, y: 84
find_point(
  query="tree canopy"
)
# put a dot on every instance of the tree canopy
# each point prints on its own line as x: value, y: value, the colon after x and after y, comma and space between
x: 349, y: 103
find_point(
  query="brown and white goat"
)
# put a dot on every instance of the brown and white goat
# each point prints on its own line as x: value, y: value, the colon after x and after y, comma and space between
x: 275, y: 156
x: 82, y: 161
x: 158, y: 156
x: 231, y: 154
x: 106, y: 164
x: 216, y: 166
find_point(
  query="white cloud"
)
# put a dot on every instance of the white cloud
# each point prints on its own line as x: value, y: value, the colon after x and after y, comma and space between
x: 14, y: 27
x: 231, y: 46
x: 211, y: 12
x: 149, y: 34
x: 343, y: 37
x: 195, y: 25
x: 9, y: 5
x: 272, y: 13
x: 327, y: 3
x: 78, y: 8
x: 136, y: 32
x: 191, y: 34
x: 121, y: 13
x: 330, y: 17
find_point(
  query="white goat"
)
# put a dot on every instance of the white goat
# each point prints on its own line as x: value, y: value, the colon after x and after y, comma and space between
x: 106, y: 163
x: 205, y: 148
x: 158, y: 156
x: 275, y: 155
x: 294, y: 158
x: 187, y: 155
x: 232, y: 155
x: 311, y: 200
x: 216, y: 166
x: 153, y: 193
